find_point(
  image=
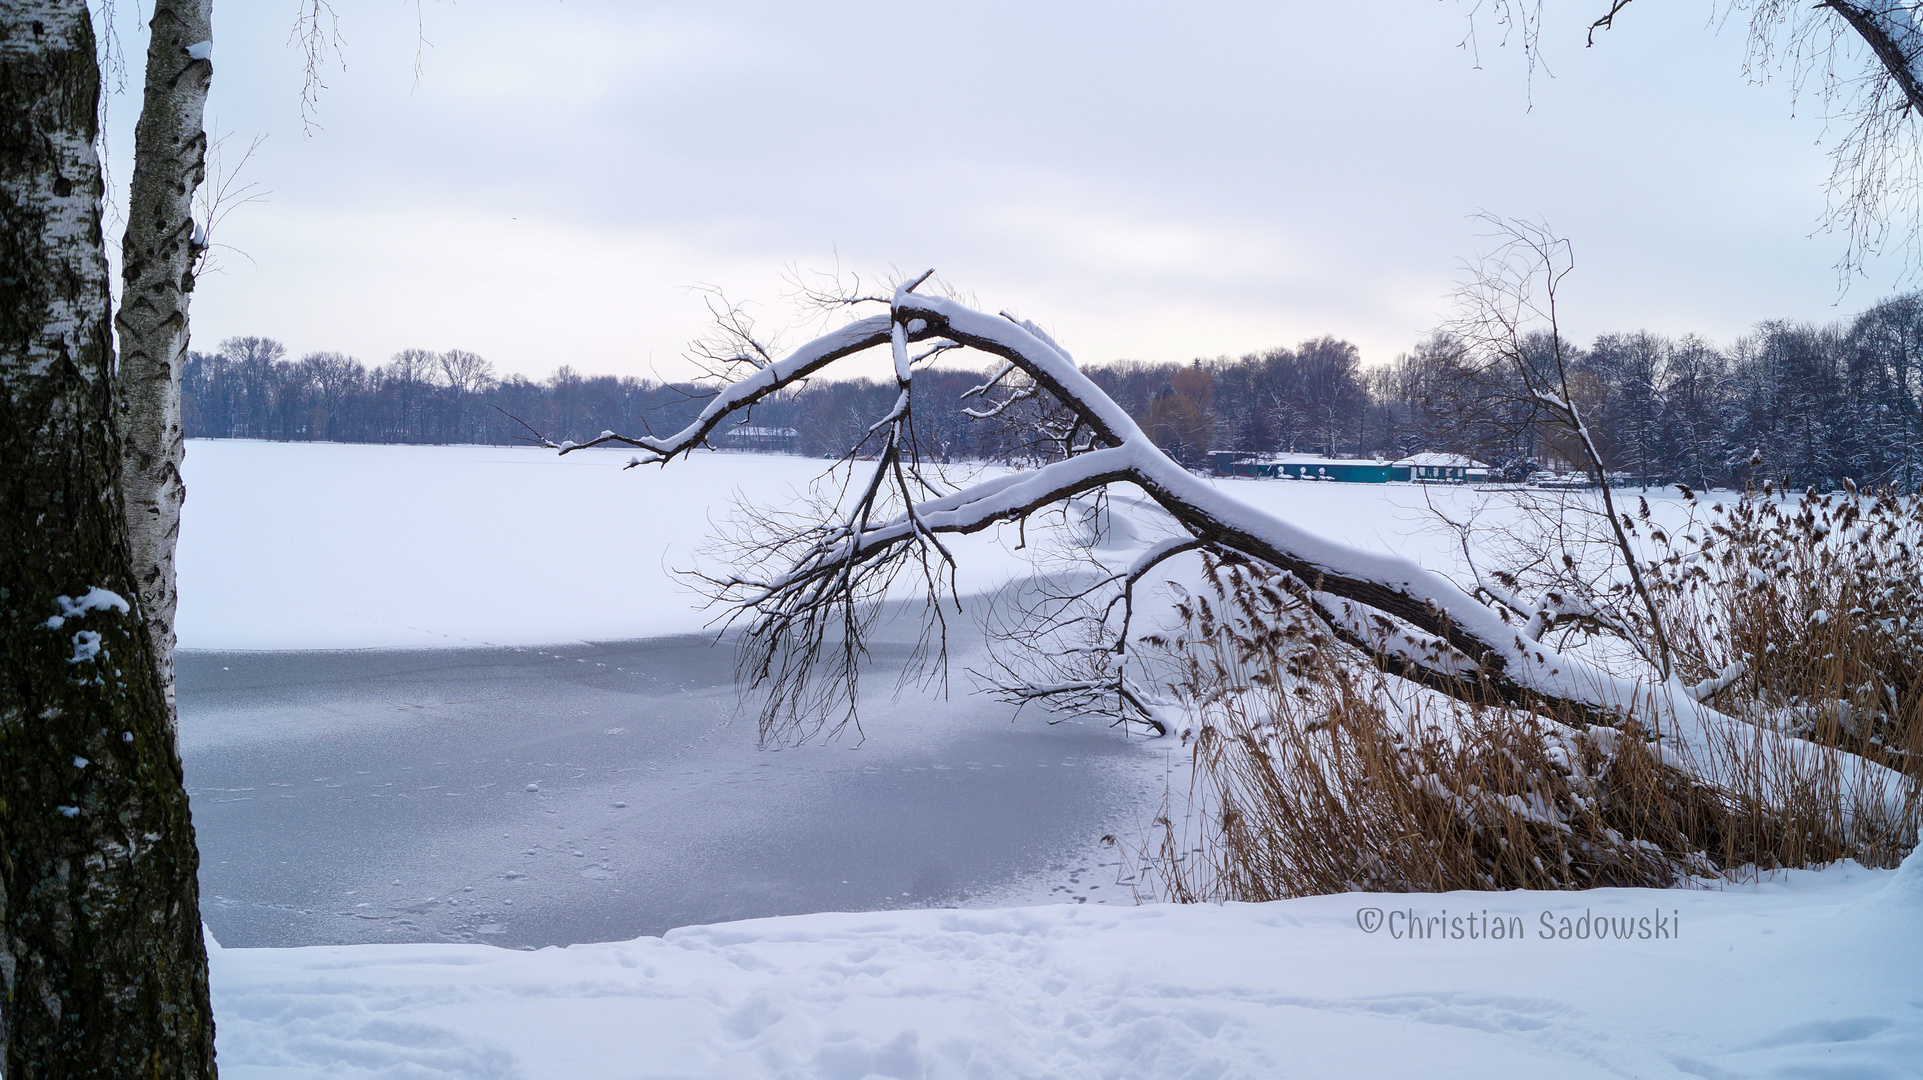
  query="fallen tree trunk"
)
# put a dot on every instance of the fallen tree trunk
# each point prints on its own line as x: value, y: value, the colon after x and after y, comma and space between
x: 1412, y: 622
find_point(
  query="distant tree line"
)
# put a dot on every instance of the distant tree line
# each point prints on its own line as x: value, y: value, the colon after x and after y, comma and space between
x: 250, y: 389
x: 1812, y: 404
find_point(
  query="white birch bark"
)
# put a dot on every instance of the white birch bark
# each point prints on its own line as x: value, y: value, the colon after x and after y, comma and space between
x: 103, y: 969
x: 62, y: 190
x: 157, y: 276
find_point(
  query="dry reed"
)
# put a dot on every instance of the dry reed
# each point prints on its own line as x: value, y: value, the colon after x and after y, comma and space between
x: 1819, y: 600
x: 1312, y: 773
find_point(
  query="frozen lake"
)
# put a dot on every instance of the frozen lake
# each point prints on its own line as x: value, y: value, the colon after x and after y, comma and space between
x: 555, y: 795
x: 366, y: 776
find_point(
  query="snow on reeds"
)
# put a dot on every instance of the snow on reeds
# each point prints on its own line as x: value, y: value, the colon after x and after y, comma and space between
x: 1312, y: 773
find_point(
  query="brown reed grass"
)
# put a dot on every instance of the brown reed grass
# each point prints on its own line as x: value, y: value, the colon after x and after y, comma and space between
x: 1312, y: 774
x: 1820, y: 599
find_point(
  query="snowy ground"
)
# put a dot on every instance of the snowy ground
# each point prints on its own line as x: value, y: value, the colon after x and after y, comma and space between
x: 508, y: 623
x: 1814, y: 975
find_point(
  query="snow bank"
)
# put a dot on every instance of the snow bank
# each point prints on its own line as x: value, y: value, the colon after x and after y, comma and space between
x: 1811, y: 974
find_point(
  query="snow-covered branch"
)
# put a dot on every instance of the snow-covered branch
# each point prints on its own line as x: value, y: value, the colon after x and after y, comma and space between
x: 768, y: 378
x: 1410, y: 621
x: 1891, y: 32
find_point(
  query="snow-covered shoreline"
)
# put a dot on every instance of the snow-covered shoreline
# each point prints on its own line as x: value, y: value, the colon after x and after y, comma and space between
x: 1807, y: 973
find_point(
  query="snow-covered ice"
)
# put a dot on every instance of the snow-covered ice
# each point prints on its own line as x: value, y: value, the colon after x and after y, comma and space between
x: 1813, y: 974
x: 341, y: 546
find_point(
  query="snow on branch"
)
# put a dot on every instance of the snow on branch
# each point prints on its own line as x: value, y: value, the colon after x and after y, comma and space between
x: 767, y: 379
x: 1891, y: 32
x: 808, y: 585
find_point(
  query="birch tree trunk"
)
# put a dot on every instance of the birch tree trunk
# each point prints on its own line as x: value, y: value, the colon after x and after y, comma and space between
x: 1890, y: 30
x: 157, y: 275
x: 103, y: 970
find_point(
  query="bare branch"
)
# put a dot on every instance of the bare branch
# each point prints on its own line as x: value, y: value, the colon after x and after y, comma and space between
x: 1876, y: 177
x: 317, y: 31
x: 1513, y: 292
x: 1607, y: 22
x: 218, y: 197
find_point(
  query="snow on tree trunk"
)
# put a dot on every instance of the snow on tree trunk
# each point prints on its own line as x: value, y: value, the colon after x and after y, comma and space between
x: 1891, y: 32
x: 103, y: 970
x: 157, y: 275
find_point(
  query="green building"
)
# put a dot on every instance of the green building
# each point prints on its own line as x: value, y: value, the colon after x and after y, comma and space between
x: 1434, y: 468
x: 1303, y: 467
x: 1429, y: 468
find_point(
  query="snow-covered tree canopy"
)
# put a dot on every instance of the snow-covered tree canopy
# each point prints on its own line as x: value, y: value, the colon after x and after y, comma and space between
x: 808, y: 584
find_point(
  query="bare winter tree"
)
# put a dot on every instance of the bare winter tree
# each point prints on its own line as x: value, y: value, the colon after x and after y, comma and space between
x: 1865, y: 59
x: 467, y: 375
x: 410, y: 372
x: 1510, y: 344
x: 806, y: 585
x: 103, y: 971
x: 465, y: 372
x: 250, y: 361
x: 331, y: 374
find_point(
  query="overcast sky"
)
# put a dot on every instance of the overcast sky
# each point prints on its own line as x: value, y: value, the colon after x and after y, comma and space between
x: 1151, y: 181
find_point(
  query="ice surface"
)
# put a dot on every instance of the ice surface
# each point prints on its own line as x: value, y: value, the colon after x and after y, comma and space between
x: 571, y: 794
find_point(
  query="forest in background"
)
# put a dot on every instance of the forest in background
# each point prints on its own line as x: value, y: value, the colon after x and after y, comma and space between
x: 1814, y: 405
